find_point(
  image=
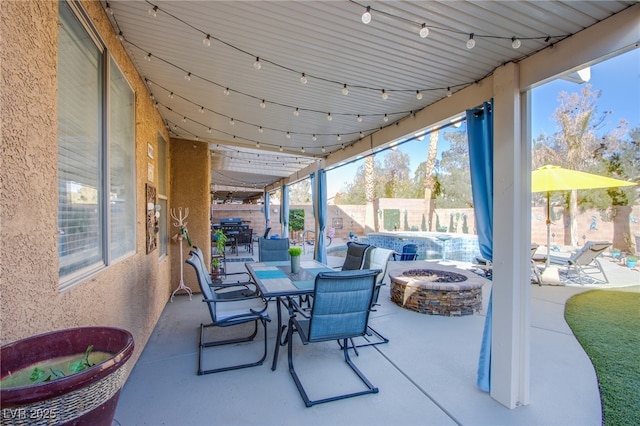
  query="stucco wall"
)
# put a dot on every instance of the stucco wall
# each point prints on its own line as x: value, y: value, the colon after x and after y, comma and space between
x: 130, y: 293
x: 190, y: 176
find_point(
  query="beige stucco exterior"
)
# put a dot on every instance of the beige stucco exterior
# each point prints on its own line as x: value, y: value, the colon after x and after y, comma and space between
x: 130, y: 293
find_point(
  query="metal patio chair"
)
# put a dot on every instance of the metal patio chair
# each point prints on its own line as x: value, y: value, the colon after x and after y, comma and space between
x: 584, y: 262
x: 228, y: 312
x: 270, y: 250
x: 229, y: 285
x: 342, y: 301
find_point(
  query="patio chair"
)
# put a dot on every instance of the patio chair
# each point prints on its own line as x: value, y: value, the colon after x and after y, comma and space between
x: 409, y: 252
x: 227, y: 312
x: 340, y: 311
x: 240, y: 281
x: 584, y: 262
x: 273, y: 250
x: 358, y: 254
x: 245, y: 239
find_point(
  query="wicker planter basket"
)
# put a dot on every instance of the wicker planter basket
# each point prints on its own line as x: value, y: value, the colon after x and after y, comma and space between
x: 85, y: 398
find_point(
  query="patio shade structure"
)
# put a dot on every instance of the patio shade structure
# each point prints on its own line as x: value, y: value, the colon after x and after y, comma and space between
x: 555, y: 178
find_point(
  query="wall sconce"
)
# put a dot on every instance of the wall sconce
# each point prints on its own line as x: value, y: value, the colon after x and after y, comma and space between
x: 150, y: 207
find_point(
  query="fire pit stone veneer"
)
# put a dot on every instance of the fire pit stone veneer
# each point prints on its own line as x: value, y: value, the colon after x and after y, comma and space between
x: 437, y: 291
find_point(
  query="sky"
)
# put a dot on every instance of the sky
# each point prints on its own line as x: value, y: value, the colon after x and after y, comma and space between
x: 617, y: 78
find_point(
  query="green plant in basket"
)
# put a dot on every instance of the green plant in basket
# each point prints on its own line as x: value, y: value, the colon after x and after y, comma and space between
x: 295, y: 251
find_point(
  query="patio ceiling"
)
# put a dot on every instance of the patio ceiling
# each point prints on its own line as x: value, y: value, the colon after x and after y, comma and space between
x: 199, y: 61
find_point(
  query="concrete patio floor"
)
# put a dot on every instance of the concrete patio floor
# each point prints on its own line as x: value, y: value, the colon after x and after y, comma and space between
x: 426, y: 373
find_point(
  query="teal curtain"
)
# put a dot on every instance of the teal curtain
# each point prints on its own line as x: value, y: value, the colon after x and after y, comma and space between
x: 480, y: 139
x: 284, y: 211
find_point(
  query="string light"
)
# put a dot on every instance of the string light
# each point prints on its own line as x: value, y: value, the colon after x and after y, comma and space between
x: 329, y: 117
x: 424, y: 31
x: 120, y: 36
x: 184, y: 119
x: 207, y: 40
x: 260, y: 129
x: 263, y: 104
x: 302, y: 149
x: 314, y: 138
x: 338, y: 137
x: 303, y: 79
x: 209, y: 130
x: 201, y: 110
x: 385, y: 118
x: 471, y: 43
x: 359, y: 118
x: 385, y: 95
x: 232, y: 122
x: 515, y: 42
x: 418, y: 95
x: 288, y: 135
x: 148, y: 57
x: 324, y: 149
x: 361, y: 135
x: 226, y: 91
x: 170, y: 95
x: 257, y: 65
x: 345, y: 90
x: 296, y: 112
x: 188, y: 76
x: 449, y: 92
x: 366, y: 16
x: 257, y: 144
x: 108, y: 9
x: 280, y: 148
x: 153, y: 11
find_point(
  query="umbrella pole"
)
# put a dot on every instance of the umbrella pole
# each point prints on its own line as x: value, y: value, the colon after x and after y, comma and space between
x: 548, y: 229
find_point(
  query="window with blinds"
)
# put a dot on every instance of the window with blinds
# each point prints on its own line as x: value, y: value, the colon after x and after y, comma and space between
x: 96, y: 164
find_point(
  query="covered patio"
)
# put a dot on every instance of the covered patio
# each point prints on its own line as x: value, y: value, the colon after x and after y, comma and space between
x: 426, y: 373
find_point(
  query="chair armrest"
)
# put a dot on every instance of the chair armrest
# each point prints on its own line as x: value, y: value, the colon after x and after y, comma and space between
x: 298, y: 309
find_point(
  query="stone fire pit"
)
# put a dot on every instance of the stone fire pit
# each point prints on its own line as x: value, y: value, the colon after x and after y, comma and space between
x: 437, y: 292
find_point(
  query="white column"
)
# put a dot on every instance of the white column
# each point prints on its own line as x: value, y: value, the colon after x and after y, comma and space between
x: 510, y: 357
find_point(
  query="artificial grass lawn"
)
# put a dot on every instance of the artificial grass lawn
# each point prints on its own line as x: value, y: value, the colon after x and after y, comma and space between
x: 607, y: 325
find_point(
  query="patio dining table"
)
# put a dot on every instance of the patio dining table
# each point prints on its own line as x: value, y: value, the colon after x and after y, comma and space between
x: 275, y: 281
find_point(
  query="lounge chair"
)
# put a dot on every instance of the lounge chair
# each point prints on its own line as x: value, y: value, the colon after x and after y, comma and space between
x: 584, y: 262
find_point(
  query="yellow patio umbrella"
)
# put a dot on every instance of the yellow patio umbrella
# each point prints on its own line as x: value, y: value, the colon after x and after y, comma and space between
x: 555, y: 178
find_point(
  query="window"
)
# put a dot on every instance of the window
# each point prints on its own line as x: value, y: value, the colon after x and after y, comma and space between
x: 163, y: 234
x: 96, y: 164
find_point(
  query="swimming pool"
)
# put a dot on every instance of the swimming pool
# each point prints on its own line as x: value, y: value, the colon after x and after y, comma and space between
x: 431, y: 245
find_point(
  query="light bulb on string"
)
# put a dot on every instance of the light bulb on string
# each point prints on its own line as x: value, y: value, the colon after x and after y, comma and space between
x: 359, y: 118
x: 263, y: 104
x: 184, y: 119
x: 302, y: 149
x: 108, y: 9
x: 280, y: 148
x: 303, y: 79
x: 207, y: 40
x: 338, y: 137
x: 226, y: 91
x: 296, y: 112
x: 384, y: 95
x: 515, y: 43
x: 288, y: 135
x: 188, y: 76
x: 209, y: 130
x: 260, y: 129
x: 314, y: 138
x: 471, y: 43
x: 345, y: 90
x: 153, y: 11
x: 329, y: 117
x: 361, y: 135
x: 148, y: 57
x: 120, y: 36
x: 324, y: 149
x: 232, y: 122
x: 418, y: 95
x: 257, y: 144
x: 424, y: 31
x: 366, y: 16
x: 170, y: 95
x: 449, y: 92
x: 257, y: 65
x: 385, y: 118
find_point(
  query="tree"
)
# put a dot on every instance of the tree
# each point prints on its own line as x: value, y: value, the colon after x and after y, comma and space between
x: 577, y: 146
x: 453, y: 174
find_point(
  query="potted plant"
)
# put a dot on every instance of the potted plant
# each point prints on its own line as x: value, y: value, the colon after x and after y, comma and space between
x: 215, y: 268
x: 615, y: 253
x: 632, y: 261
x: 221, y: 240
x: 295, y: 253
x: 86, y: 395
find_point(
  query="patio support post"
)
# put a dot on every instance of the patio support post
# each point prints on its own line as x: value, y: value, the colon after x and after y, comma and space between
x: 510, y: 356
